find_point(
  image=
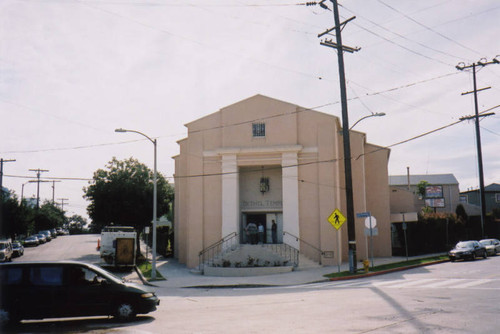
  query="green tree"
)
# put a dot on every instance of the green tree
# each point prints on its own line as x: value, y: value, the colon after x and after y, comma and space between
x: 49, y: 216
x: 122, y: 194
x: 17, y: 218
x: 77, y: 224
x: 421, y: 188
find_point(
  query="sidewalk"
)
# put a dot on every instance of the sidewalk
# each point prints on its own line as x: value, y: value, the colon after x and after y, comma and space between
x: 179, y: 276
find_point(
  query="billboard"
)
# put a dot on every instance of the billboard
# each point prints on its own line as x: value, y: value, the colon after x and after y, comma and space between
x: 435, y: 202
x: 433, y: 191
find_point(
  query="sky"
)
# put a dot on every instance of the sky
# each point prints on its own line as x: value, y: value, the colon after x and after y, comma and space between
x: 71, y: 72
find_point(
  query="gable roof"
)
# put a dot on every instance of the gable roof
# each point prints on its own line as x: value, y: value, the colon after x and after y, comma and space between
x: 436, y: 179
x: 494, y: 187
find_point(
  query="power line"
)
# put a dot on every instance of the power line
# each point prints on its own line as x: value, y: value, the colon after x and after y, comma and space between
x: 428, y: 28
x: 404, y: 37
x: 277, y: 167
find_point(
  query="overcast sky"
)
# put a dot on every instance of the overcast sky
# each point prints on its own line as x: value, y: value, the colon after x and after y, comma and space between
x: 71, y: 72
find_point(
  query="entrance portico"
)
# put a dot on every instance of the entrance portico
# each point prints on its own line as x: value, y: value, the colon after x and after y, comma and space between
x: 243, y: 196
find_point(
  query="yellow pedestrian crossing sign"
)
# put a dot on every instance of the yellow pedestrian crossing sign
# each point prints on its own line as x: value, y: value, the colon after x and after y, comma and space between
x: 336, y: 219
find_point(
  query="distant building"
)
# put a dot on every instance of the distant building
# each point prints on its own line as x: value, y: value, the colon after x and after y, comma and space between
x: 442, y: 194
x: 262, y: 160
x: 491, y: 194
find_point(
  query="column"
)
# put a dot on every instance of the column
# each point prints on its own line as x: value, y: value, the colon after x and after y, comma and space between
x: 230, y: 195
x: 290, y: 174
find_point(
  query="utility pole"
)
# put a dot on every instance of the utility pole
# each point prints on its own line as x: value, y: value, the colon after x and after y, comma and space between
x: 1, y: 190
x: 462, y: 67
x: 351, y: 227
x: 54, y: 190
x: 38, y: 172
x: 62, y: 202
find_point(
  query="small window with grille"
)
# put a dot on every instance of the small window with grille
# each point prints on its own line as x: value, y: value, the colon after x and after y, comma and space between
x: 259, y: 129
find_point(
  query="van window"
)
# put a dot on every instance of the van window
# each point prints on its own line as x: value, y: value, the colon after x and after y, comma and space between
x: 46, y: 276
x: 83, y: 276
x: 11, y: 276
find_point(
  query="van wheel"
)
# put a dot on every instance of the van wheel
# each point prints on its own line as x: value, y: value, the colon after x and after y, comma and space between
x: 125, y: 311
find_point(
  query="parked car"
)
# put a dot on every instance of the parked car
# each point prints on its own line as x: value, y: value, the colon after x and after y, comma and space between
x: 42, y: 238
x: 31, y: 241
x: 47, y: 234
x: 467, y: 250
x: 492, y: 246
x: 5, y: 250
x: 68, y: 289
x: 17, y: 248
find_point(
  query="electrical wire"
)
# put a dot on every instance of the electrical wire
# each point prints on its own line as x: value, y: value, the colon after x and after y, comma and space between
x: 428, y: 28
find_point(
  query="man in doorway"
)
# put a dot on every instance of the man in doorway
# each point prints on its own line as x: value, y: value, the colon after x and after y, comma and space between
x: 251, y: 230
x: 274, y: 230
x: 261, y: 233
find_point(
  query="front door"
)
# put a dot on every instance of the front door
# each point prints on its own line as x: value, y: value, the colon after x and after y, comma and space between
x: 258, y: 219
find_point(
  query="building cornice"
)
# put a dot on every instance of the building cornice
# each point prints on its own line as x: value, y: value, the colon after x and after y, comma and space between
x: 255, y: 150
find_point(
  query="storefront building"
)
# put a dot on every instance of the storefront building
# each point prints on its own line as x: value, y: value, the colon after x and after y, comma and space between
x: 270, y: 162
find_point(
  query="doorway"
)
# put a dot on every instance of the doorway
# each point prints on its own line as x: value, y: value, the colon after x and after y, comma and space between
x: 266, y: 220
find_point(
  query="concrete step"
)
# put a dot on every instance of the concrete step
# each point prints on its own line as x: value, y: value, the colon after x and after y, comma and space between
x: 306, y: 263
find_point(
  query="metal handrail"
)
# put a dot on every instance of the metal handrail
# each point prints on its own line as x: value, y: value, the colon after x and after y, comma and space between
x: 321, y: 252
x: 284, y: 250
x: 207, y: 255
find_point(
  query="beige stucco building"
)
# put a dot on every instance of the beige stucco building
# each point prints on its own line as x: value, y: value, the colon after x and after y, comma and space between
x: 261, y: 160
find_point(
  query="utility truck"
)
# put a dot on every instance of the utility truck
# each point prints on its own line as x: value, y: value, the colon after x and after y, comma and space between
x: 118, y: 245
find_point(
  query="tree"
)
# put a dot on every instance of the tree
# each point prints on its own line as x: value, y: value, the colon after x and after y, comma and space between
x: 17, y: 217
x: 49, y: 216
x: 76, y: 224
x: 122, y: 194
x: 421, y: 188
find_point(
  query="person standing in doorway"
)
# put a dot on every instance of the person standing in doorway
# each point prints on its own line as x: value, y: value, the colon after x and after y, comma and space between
x: 252, y: 232
x: 261, y: 233
x: 274, y: 230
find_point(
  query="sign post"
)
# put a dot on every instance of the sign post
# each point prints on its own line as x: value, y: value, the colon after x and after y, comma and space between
x: 370, y: 223
x: 337, y: 219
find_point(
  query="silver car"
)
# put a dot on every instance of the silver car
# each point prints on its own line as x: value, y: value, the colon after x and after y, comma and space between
x: 492, y: 246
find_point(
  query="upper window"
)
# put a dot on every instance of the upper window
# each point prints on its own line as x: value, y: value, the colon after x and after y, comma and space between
x: 259, y: 129
x: 497, y: 197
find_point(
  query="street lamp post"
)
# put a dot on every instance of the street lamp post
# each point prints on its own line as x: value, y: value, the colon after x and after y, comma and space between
x: 372, y: 115
x: 153, y: 251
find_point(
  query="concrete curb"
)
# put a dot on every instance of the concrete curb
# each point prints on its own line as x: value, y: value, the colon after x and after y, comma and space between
x: 142, y: 278
x: 382, y: 272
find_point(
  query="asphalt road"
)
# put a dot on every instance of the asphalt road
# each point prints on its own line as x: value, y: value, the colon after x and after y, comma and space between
x: 460, y: 297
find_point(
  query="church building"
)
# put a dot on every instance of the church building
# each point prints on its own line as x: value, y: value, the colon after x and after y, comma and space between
x: 270, y: 162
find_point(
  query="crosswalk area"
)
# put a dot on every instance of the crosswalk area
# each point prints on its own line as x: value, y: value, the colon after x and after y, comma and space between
x: 424, y: 283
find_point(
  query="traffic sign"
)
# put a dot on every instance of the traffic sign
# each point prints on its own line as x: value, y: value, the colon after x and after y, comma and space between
x: 370, y: 221
x: 363, y: 214
x: 337, y: 219
x: 371, y: 232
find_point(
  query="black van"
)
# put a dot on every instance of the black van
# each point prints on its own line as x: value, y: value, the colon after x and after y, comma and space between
x: 38, y: 290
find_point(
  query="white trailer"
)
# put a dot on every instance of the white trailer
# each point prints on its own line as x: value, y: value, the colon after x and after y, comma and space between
x: 118, y: 245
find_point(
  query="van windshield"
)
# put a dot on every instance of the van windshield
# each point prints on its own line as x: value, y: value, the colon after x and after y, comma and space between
x: 106, y: 274
x: 3, y: 245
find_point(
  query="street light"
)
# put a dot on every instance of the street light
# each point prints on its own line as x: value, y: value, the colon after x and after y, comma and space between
x: 362, y: 118
x: 153, y: 264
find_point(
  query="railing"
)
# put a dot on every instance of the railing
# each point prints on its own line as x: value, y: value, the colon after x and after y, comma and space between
x: 314, y: 248
x: 287, y: 252
x: 208, y: 255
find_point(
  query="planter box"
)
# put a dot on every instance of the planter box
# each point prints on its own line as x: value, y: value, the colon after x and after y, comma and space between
x: 246, y: 271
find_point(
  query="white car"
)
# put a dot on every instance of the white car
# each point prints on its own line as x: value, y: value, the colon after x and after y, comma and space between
x: 492, y: 246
